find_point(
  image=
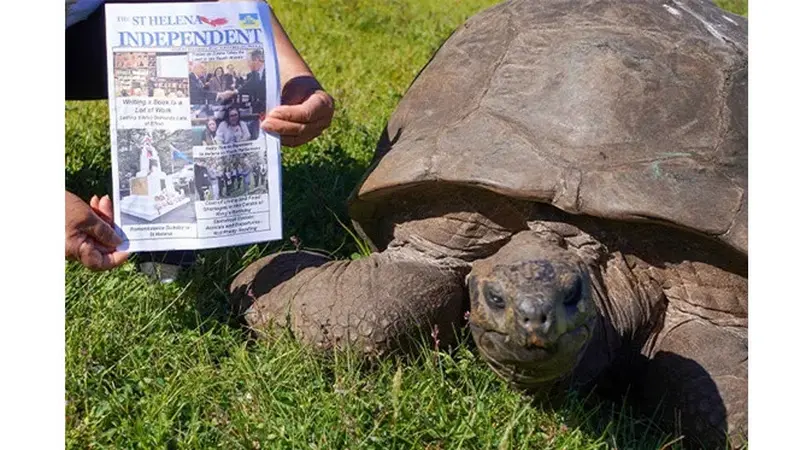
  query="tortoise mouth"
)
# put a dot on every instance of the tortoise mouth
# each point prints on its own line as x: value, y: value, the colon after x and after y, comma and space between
x: 529, y: 367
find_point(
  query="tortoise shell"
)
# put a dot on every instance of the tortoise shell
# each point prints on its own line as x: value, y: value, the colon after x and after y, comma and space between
x: 628, y: 110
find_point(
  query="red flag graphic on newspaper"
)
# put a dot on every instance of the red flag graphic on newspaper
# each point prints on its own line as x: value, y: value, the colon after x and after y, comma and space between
x: 214, y: 22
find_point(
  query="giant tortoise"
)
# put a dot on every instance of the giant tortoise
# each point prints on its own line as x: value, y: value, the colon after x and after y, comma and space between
x: 573, y: 174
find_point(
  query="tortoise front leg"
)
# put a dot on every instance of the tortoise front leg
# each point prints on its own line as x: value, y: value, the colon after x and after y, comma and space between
x: 375, y: 304
x: 253, y: 281
x: 699, y: 371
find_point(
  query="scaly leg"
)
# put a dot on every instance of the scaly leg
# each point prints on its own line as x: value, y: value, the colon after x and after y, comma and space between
x: 699, y: 370
x: 375, y: 304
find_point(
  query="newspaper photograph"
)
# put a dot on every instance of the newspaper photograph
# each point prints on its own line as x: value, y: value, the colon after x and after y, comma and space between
x: 189, y: 84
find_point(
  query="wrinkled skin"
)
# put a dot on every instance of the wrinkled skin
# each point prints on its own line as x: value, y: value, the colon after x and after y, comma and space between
x: 531, y: 312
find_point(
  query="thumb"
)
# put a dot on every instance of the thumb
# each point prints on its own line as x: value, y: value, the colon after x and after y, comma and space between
x: 105, y: 209
x: 102, y: 232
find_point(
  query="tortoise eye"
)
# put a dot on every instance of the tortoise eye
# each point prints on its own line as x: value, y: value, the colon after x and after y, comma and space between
x: 495, y: 301
x: 575, y: 293
x: 493, y: 298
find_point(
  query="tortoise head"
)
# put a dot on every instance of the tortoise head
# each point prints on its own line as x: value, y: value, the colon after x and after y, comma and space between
x: 532, y: 313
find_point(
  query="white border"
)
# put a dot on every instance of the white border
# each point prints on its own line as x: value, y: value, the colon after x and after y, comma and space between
x: 774, y: 300
x: 32, y: 335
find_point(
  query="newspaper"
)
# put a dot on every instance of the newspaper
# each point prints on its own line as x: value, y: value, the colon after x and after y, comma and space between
x: 189, y: 84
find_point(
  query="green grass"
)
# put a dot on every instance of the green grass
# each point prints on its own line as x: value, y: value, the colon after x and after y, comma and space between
x: 735, y: 6
x: 159, y: 366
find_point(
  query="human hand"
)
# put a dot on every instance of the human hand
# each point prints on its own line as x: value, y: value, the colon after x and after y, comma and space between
x: 90, y: 238
x: 306, y: 111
